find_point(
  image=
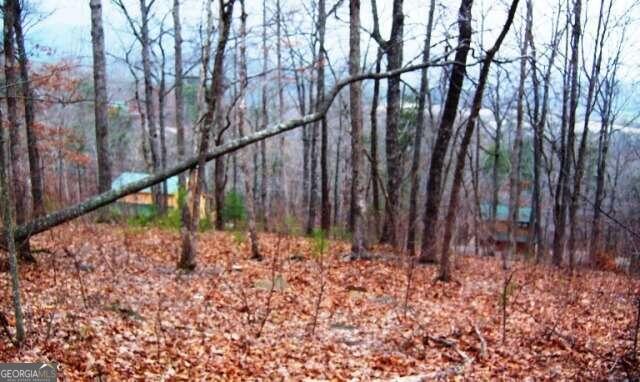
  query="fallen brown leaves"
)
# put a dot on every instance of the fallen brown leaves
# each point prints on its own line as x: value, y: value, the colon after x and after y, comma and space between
x: 113, y: 307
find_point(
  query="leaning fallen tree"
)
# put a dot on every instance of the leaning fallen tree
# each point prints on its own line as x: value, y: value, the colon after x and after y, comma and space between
x: 93, y: 203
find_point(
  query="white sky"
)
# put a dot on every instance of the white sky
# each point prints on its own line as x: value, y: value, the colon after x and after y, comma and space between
x: 67, y: 27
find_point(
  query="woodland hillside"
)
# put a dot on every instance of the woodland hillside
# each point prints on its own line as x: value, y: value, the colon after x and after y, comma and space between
x: 326, y: 189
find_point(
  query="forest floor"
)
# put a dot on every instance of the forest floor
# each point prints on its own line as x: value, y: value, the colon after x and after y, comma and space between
x: 113, y: 307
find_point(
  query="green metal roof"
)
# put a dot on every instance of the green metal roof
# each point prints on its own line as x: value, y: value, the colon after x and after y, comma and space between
x: 502, y: 212
x: 129, y: 177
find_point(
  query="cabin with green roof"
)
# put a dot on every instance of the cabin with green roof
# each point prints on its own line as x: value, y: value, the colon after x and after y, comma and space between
x: 142, y: 201
x: 497, y: 221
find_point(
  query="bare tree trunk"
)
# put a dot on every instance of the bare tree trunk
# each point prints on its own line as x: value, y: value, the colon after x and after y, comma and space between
x: 601, y: 32
x: 196, y: 176
x: 144, y: 148
x: 162, y: 125
x: 219, y: 172
x: 312, y: 131
x: 336, y: 173
x: 18, y: 177
x: 281, y: 189
x: 432, y: 205
x: 392, y: 147
x: 179, y: 100
x: 375, y: 175
x: 35, y: 171
x: 539, y: 121
x: 145, y: 42
x: 516, y: 153
x: 445, y: 268
x: 497, y: 148
x: 245, y: 156
x: 607, y: 121
x: 325, y: 205
x: 265, y: 121
x: 417, y: 143
x: 7, y: 211
x: 306, y: 149
x: 570, y: 103
x: 355, y: 101
x: 313, y: 187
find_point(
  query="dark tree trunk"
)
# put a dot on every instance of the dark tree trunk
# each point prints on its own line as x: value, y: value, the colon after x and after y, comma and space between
x: 355, y: 102
x: 313, y: 180
x: 219, y: 173
x: 18, y: 177
x: 245, y: 156
x: 593, y: 78
x: 265, y: 121
x: 607, y: 121
x: 536, y: 239
x: 7, y: 205
x: 570, y: 103
x: 516, y: 153
x: 392, y: 144
x: 196, y: 176
x: 145, y: 42
x: 495, y: 176
x: 417, y: 143
x: 162, y: 125
x: 177, y: 36
x: 281, y: 178
x: 35, y: 171
x: 445, y: 268
x: 375, y: 175
x: 336, y: 173
x: 312, y: 132
x: 325, y: 205
x: 434, y: 182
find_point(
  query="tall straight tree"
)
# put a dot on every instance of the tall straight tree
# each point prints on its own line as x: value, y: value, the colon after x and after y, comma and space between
x: 516, y: 150
x: 11, y: 77
x: 101, y: 102
x: 35, y: 171
x: 593, y: 82
x: 563, y: 191
x: 313, y: 154
x: 141, y: 32
x: 196, y: 176
x: 281, y: 178
x: 393, y: 50
x: 445, y: 130
x: 145, y: 41
x: 179, y: 101
x: 355, y: 101
x: 162, y: 101
x: 325, y: 205
x: 417, y: 143
x: 539, y: 119
x: 7, y: 203
x: 6, y: 194
x: 445, y: 269
x: 247, y: 154
x: 264, y: 119
x: 375, y: 174
x: 607, y: 119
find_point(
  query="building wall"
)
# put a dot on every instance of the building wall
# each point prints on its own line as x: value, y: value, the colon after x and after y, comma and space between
x: 145, y: 198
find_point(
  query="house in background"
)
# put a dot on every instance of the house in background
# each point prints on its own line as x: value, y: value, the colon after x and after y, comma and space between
x: 142, y: 201
x: 498, y: 227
